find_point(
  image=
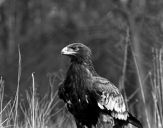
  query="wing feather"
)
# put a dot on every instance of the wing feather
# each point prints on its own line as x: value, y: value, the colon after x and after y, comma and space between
x: 110, y: 98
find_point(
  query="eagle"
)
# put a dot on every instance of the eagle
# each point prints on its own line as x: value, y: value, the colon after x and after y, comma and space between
x: 90, y: 97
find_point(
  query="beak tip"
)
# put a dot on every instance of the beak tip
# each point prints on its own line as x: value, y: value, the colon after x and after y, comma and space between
x: 63, y: 51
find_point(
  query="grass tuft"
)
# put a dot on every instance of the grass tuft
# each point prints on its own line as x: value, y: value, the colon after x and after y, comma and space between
x: 157, y: 88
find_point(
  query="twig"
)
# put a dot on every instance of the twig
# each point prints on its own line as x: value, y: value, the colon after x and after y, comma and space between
x: 33, y: 101
x: 127, y: 40
x: 17, y: 91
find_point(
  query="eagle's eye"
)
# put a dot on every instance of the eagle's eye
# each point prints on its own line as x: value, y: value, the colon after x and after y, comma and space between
x: 75, y: 48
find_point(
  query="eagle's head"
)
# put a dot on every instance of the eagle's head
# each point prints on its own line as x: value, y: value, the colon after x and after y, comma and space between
x: 78, y: 52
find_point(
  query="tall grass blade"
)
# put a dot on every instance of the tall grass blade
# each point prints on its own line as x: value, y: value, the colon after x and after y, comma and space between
x: 142, y: 90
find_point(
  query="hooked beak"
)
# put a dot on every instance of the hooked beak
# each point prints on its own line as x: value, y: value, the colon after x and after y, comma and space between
x: 67, y: 51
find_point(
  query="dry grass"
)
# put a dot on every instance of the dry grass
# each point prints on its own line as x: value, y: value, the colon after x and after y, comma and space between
x: 154, y: 115
x: 157, y: 89
x: 32, y: 112
x: 35, y: 113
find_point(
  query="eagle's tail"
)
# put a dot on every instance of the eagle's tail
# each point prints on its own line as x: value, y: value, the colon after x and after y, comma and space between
x: 132, y: 120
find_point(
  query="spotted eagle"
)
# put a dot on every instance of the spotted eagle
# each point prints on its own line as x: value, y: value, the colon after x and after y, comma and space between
x: 89, y: 96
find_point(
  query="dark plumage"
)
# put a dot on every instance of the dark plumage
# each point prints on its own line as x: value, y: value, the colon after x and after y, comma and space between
x: 88, y: 96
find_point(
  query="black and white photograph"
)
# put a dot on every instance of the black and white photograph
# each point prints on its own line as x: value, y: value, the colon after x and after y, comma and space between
x: 81, y: 63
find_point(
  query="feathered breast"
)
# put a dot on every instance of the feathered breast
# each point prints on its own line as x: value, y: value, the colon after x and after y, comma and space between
x: 77, y: 83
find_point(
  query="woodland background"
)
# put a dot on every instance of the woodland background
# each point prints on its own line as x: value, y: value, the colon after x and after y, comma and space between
x: 41, y: 28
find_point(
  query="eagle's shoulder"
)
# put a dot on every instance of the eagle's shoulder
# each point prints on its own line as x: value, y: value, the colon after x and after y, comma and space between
x: 100, y: 80
x: 105, y: 85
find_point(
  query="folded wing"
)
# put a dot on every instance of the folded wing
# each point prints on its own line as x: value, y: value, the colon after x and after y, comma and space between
x: 109, y: 98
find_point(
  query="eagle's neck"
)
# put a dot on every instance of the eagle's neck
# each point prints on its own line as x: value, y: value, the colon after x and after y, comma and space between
x: 88, y: 64
x: 78, y: 76
x: 76, y: 82
x: 85, y: 62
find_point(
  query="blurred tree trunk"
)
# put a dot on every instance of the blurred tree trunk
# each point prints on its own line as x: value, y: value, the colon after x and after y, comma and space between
x: 12, y: 30
x: 3, y: 50
x: 136, y: 13
x: 13, y: 14
x: 16, y: 12
x: 133, y: 12
x: 3, y: 36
